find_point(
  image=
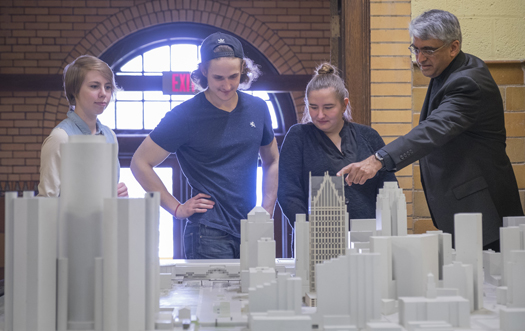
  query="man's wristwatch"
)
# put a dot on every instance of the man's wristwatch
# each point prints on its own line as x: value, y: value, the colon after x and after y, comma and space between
x: 380, y: 159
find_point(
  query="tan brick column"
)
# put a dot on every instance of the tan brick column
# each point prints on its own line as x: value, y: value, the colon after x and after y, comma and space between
x: 391, y: 81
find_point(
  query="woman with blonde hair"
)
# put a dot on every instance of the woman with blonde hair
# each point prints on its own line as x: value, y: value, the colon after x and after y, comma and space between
x: 327, y: 140
x: 89, y: 84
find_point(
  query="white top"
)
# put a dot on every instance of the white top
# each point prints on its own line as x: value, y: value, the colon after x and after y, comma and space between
x: 49, y: 185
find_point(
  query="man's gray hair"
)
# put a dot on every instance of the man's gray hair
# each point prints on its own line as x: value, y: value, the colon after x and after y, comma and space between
x: 436, y: 24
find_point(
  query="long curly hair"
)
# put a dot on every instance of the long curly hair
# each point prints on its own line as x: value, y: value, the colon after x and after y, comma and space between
x: 249, y: 71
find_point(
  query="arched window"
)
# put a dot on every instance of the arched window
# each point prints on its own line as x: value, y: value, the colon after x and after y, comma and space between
x: 138, y: 61
x: 143, y: 110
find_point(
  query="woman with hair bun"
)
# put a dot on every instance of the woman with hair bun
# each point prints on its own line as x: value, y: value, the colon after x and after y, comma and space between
x: 327, y: 140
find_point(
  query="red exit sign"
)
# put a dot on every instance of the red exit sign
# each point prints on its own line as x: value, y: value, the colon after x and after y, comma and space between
x: 177, y: 83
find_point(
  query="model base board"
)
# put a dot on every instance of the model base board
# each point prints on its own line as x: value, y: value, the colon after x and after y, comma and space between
x: 205, y: 299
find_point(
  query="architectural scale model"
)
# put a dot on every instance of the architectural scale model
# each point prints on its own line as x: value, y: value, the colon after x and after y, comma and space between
x: 391, y: 218
x: 391, y: 210
x: 86, y: 260
x: 512, y: 292
x: 360, y: 232
x: 302, y: 251
x: 257, y: 251
x: 328, y: 221
x: 348, y: 291
x: 421, y: 276
x: 104, y: 272
x: 452, y: 311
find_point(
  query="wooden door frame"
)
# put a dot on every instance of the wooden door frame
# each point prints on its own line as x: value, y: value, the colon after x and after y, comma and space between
x: 350, y: 52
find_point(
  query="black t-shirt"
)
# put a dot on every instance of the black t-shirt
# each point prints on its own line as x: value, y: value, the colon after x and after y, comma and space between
x: 306, y: 149
x: 218, y: 152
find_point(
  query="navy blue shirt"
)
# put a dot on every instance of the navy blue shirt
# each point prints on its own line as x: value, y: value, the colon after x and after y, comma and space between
x: 218, y: 152
x: 307, y: 149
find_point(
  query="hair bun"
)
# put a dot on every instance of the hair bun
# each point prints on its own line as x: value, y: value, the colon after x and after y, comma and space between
x: 325, y: 69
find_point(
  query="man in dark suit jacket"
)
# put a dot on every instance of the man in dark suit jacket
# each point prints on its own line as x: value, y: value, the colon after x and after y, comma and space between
x: 460, y: 139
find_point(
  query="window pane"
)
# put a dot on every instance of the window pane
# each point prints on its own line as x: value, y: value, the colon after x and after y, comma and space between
x: 129, y: 95
x: 134, y: 65
x: 199, y: 54
x: 275, y: 124
x: 108, y: 116
x: 155, y: 95
x: 261, y: 94
x: 166, y: 220
x: 129, y: 115
x: 184, y: 57
x: 157, y: 60
x: 129, y: 73
x: 154, y: 112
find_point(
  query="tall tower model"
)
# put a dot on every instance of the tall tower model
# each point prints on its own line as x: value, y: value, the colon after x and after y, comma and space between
x: 328, y: 221
x: 391, y: 210
x: 86, y: 260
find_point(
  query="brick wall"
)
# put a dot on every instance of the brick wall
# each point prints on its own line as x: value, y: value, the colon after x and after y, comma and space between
x: 391, y: 80
x: 513, y: 92
x: 41, y: 37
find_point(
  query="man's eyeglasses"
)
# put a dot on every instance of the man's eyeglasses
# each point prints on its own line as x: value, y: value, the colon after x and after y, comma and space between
x: 425, y: 51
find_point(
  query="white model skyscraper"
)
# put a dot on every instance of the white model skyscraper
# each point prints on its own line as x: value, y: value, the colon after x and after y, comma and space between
x: 104, y: 272
x: 349, y: 291
x: 88, y: 176
x: 257, y: 256
x: 328, y: 221
x: 255, y: 252
x: 391, y: 210
x: 302, y: 251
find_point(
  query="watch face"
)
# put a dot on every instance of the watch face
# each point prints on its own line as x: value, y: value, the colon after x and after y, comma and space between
x: 380, y: 159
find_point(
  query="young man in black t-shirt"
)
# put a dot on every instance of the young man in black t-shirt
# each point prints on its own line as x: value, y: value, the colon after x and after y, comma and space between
x: 217, y: 136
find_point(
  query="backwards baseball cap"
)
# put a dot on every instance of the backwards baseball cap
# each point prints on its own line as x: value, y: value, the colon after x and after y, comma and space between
x: 217, y: 39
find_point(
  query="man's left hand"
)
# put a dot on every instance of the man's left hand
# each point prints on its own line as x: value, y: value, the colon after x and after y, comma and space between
x: 360, y: 172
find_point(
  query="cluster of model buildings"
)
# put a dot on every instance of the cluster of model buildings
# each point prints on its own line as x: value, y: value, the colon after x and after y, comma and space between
x: 104, y: 272
x: 86, y: 260
x: 385, y: 270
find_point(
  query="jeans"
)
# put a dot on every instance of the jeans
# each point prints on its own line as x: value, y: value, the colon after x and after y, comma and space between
x: 204, y: 242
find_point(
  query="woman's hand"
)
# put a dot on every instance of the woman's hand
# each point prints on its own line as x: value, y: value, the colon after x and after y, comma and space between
x: 122, y: 190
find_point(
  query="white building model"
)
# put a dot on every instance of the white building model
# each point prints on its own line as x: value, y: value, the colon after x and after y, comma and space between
x: 104, y: 272
x: 257, y: 251
x: 419, y: 276
x: 391, y: 218
x: 328, y: 221
x: 391, y: 210
x: 512, y: 261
